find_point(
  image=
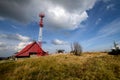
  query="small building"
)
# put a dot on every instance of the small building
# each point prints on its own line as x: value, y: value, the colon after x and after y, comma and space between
x: 31, y: 50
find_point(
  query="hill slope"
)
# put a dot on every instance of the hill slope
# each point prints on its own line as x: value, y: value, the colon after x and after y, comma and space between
x: 97, y: 66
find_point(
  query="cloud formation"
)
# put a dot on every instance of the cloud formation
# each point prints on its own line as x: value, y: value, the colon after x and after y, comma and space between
x: 11, y: 43
x: 105, y: 32
x: 16, y: 37
x: 14, y: 9
x: 21, y: 45
x: 59, y: 42
x: 110, y: 29
x: 2, y: 44
x: 67, y: 14
x: 6, y: 49
x: 6, y: 46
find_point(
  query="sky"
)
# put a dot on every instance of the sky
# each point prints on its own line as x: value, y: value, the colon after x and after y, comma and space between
x: 94, y: 24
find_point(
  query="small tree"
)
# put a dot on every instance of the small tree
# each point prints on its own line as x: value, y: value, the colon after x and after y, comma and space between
x: 76, y: 49
x: 115, y: 50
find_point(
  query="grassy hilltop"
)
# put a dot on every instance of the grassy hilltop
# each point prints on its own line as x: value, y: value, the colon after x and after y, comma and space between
x: 91, y: 66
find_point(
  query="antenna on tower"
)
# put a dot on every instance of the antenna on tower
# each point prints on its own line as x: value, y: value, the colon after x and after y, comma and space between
x: 41, y: 15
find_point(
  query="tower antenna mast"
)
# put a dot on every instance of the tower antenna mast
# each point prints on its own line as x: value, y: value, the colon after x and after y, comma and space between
x: 41, y: 15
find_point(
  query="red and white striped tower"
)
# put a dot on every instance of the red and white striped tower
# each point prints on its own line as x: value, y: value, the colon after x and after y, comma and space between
x: 41, y: 15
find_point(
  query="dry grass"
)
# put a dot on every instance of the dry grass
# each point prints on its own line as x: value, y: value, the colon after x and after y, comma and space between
x: 88, y: 66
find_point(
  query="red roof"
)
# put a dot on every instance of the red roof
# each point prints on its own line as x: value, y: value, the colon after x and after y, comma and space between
x: 31, y: 48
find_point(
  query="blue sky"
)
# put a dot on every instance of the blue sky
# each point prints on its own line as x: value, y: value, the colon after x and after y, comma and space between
x: 95, y: 24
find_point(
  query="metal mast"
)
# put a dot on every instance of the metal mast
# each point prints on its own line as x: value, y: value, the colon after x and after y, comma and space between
x: 41, y: 15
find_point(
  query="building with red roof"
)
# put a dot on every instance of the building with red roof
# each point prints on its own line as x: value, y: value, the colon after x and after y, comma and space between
x: 31, y: 49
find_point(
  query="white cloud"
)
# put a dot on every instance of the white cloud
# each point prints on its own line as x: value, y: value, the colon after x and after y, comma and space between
x: 6, y: 49
x: 22, y: 38
x: 59, y: 42
x: 11, y: 43
x: 66, y: 20
x: 119, y: 46
x: 14, y: 37
x: 5, y: 46
x: 21, y: 45
x: 2, y: 44
x: 67, y: 14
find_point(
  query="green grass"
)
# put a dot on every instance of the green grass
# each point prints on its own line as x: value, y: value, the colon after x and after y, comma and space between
x: 63, y: 67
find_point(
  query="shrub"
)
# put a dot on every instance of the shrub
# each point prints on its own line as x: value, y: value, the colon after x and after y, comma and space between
x: 76, y: 49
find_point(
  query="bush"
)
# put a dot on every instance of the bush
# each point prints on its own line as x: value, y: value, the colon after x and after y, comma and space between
x: 115, y: 51
x: 76, y: 49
